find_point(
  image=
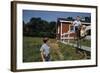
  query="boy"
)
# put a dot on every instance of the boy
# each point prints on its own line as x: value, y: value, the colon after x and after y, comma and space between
x: 45, y: 50
x: 77, y: 25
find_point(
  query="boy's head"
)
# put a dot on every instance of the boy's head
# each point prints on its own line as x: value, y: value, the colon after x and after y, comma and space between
x: 45, y: 40
x: 78, y: 18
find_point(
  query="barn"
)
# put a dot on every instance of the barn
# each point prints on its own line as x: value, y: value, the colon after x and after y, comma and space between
x: 65, y: 30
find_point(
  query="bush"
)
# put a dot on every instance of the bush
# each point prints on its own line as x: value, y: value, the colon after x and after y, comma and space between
x: 39, y: 34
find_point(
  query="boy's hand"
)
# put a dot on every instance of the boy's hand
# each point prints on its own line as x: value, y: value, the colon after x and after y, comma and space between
x: 43, y: 60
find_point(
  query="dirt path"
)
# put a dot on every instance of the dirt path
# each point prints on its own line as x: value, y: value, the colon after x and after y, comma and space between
x: 55, y: 47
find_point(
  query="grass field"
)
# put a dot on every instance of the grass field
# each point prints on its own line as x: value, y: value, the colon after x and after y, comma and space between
x: 83, y: 42
x: 59, y: 51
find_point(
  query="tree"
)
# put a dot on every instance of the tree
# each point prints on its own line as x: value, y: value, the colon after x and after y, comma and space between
x: 88, y: 19
x: 38, y: 27
x: 70, y: 18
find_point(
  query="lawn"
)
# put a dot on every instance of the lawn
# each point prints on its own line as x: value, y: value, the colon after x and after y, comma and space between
x: 84, y: 42
x: 59, y: 51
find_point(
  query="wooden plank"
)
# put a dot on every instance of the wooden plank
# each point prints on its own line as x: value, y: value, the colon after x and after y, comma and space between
x: 67, y: 38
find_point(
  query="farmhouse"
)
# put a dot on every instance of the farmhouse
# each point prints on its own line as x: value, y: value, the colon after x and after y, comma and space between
x: 65, y: 30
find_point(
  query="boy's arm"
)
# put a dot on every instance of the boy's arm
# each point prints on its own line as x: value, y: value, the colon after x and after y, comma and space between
x: 42, y: 55
x: 73, y: 23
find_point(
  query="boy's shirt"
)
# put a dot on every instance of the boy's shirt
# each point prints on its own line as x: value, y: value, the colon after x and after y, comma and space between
x: 76, y: 23
x: 46, y: 49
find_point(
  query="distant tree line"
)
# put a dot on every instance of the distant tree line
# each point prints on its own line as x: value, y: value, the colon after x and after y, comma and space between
x: 38, y: 27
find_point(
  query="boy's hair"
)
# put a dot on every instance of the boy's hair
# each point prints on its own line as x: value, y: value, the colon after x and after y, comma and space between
x: 45, y: 39
x: 78, y: 16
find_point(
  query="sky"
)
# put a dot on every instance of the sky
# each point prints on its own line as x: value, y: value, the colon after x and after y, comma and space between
x: 50, y: 15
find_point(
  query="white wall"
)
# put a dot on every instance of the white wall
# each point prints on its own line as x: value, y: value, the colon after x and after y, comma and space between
x: 5, y: 37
